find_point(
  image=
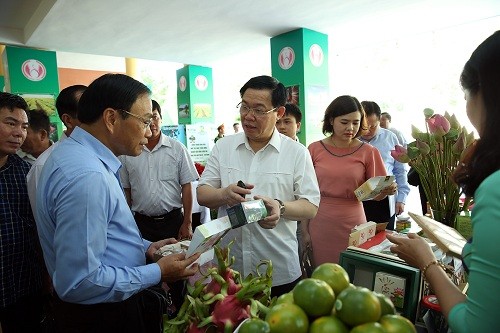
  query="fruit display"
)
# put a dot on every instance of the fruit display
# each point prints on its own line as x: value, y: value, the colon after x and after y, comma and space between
x: 222, y: 299
x: 328, y: 303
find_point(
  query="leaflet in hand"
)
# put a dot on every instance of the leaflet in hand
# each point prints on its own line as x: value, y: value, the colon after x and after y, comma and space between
x: 372, y: 187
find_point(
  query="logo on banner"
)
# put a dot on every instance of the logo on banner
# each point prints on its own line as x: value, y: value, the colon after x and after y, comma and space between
x: 316, y: 55
x: 201, y: 82
x: 33, y: 70
x: 286, y: 58
x: 182, y: 83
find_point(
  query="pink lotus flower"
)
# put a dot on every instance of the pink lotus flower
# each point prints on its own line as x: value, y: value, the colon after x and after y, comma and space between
x: 400, y: 154
x: 438, y: 125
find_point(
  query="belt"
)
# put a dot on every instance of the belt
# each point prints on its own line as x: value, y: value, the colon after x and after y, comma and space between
x: 156, y: 218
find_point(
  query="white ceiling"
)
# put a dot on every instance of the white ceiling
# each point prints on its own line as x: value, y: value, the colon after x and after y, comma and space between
x: 202, y: 32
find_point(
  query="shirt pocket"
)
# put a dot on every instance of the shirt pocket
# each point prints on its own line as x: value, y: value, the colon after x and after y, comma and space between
x: 275, y: 184
x: 168, y: 172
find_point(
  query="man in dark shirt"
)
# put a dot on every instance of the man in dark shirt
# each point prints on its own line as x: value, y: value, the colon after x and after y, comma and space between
x: 21, y: 266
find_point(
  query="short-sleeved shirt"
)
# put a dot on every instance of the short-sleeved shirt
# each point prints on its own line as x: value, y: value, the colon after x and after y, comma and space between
x: 282, y: 169
x: 155, y: 177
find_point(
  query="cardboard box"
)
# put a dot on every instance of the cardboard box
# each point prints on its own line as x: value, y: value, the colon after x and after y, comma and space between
x: 372, y: 187
x: 391, y: 286
x: 246, y: 212
x: 206, y: 235
x: 361, y: 233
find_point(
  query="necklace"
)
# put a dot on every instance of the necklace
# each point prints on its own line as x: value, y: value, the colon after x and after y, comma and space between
x: 328, y: 150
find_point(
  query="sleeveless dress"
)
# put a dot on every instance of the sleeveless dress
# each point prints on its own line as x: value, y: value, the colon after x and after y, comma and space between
x: 339, y: 171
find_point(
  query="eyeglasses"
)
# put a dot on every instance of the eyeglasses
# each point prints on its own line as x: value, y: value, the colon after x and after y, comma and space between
x: 245, y: 109
x: 145, y: 122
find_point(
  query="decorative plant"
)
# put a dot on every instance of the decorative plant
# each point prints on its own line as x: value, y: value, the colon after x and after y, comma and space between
x: 435, y: 154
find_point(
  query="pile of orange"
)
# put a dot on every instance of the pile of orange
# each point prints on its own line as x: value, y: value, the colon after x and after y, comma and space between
x: 328, y: 302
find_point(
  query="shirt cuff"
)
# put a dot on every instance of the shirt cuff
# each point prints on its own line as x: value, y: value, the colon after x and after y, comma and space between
x: 151, y: 275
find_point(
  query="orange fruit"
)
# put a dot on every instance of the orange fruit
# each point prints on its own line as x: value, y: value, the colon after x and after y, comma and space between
x: 397, y: 324
x: 285, y: 298
x: 333, y: 274
x: 254, y: 325
x: 314, y: 296
x: 368, y: 328
x: 328, y: 324
x: 356, y: 306
x: 287, y: 318
x: 386, y: 304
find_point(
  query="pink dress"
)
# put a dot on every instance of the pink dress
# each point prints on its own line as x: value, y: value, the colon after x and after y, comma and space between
x: 339, y: 171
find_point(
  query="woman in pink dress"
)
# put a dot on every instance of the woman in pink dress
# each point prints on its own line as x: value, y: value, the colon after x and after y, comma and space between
x: 342, y: 163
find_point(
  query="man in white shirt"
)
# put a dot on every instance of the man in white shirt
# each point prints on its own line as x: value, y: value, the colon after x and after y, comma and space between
x: 275, y: 169
x: 67, y: 107
x: 37, y: 139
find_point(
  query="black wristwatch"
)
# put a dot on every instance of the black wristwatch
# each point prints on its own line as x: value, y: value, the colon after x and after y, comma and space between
x: 282, y: 207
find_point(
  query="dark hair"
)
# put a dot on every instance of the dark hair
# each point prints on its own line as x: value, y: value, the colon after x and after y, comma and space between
x: 387, y: 115
x: 236, y: 124
x: 156, y: 106
x: 340, y: 106
x: 67, y: 100
x: 11, y: 101
x: 220, y: 127
x: 264, y: 82
x: 481, y: 74
x: 39, y: 120
x: 371, y: 108
x: 294, y: 111
x: 116, y: 91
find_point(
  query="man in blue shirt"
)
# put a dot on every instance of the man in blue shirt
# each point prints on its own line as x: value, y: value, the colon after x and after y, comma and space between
x: 385, y: 141
x: 92, y: 247
x: 21, y: 264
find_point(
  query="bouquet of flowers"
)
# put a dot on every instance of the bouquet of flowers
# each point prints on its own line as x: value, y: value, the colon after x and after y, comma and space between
x: 435, y: 154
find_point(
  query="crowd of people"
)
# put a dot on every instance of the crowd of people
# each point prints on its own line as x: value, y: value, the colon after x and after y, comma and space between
x: 82, y: 218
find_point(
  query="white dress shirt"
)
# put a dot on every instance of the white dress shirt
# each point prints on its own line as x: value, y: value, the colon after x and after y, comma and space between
x: 155, y: 177
x: 283, y: 169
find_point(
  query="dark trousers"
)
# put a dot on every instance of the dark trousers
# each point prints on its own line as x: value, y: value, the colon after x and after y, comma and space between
x: 137, y: 314
x: 277, y: 291
x: 378, y: 211
x: 162, y: 227
x: 26, y: 315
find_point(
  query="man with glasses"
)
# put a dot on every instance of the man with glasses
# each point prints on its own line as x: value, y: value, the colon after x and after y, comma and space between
x: 275, y: 169
x: 384, y: 140
x: 94, y: 252
x: 157, y: 185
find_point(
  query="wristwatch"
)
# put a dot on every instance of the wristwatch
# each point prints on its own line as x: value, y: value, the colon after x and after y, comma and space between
x: 282, y: 207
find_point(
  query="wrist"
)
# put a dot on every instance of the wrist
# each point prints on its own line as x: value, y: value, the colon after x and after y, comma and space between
x: 429, y: 265
x: 281, y: 206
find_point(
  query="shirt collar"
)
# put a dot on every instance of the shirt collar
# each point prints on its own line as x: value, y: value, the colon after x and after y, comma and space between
x: 102, y: 152
x: 275, y: 140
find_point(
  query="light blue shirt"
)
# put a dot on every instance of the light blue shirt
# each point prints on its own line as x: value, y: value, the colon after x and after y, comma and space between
x: 91, y: 244
x: 385, y: 141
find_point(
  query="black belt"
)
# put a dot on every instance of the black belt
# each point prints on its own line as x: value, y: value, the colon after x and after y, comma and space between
x: 159, y: 218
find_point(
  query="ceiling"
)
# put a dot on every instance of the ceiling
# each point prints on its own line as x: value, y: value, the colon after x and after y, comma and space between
x: 202, y: 32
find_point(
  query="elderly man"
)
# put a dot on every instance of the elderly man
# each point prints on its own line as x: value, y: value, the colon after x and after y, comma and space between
x: 92, y: 247
x: 37, y: 138
x: 275, y: 169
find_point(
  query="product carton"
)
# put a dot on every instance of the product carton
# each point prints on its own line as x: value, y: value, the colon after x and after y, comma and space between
x: 391, y: 286
x: 361, y: 233
x: 372, y: 187
x: 246, y: 212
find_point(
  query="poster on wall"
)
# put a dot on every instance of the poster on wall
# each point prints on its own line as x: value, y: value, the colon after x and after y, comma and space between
x: 316, y: 102
x: 46, y: 103
x: 199, y: 141
x: 292, y: 95
x: 202, y: 110
x: 183, y: 110
x: 176, y: 132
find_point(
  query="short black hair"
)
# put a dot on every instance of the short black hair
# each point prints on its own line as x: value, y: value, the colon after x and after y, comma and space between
x: 67, y: 100
x: 11, y: 101
x: 265, y: 82
x: 340, y: 106
x: 156, y: 106
x: 116, y: 91
x: 370, y: 108
x: 39, y: 120
x: 387, y: 115
x: 294, y: 111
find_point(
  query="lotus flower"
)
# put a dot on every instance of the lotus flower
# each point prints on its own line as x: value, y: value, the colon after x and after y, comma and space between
x: 435, y: 154
x: 438, y: 125
x: 400, y: 154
